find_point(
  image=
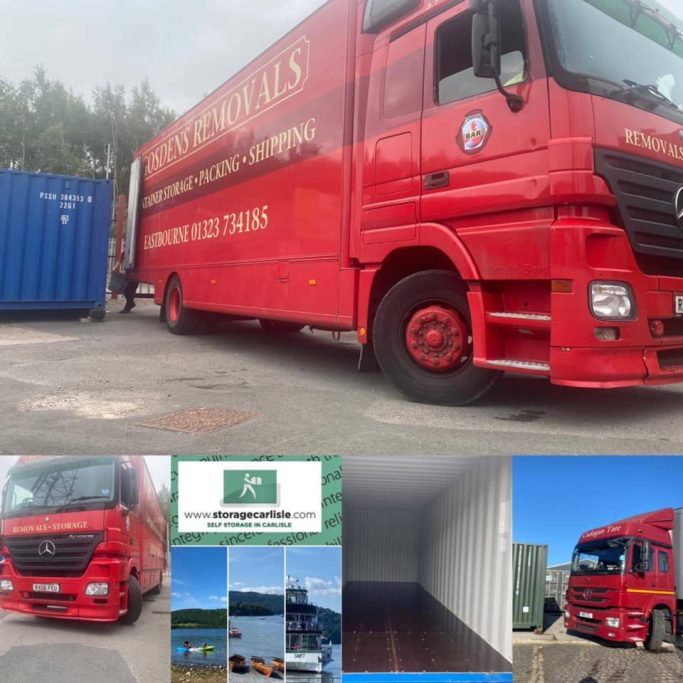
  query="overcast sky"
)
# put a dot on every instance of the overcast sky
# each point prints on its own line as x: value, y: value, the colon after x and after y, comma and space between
x: 186, y: 48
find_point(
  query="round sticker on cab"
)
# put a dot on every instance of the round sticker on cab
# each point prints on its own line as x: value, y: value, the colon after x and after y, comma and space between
x: 474, y: 132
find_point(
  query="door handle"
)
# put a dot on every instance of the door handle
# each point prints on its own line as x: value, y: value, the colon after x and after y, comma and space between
x: 434, y: 180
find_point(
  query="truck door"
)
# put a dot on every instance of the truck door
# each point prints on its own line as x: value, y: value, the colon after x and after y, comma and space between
x: 478, y: 156
x: 642, y: 586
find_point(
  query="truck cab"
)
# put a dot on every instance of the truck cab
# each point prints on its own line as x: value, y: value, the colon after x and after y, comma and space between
x: 81, y: 538
x: 625, y: 582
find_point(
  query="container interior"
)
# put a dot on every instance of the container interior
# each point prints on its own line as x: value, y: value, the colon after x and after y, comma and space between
x: 427, y: 565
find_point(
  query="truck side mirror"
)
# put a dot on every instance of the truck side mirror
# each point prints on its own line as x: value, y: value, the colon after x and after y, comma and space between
x: 486, y: 48
x: 129, y: 487
x: 486, y: 39
x: 641, y: 554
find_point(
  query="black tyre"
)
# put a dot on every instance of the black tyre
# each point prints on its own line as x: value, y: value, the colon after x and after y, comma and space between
x: 656, y: 630
x: 134, y: 601
x: 280, y: 327
x: 157, y: 589
x: 423, y: 340
x: 179, y: 319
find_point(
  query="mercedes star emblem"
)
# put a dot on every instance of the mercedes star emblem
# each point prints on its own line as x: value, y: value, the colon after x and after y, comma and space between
x: 587, y: 593
x: 678, y: 206
x: 47, y: 548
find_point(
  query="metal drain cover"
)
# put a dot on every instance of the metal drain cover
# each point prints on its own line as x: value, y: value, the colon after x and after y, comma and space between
x: 200, y: 420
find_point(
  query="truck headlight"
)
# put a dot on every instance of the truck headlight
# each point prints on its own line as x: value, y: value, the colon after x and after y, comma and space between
x: 100, y: 589
x: 567, y: 614
x: 613, y: 622
x: 612, y: 301
x: 6, y: 586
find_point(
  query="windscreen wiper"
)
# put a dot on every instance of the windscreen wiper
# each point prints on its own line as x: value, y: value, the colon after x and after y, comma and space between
x: 647, y: 90
x: 80, y: 499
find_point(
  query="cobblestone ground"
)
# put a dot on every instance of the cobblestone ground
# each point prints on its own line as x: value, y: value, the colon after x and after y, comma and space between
x: 576, y: 663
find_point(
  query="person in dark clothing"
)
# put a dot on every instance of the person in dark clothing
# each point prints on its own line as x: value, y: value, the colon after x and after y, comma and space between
x: 129, y: 294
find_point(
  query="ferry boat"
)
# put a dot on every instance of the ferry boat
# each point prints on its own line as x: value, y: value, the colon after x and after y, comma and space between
x: 306, y: 648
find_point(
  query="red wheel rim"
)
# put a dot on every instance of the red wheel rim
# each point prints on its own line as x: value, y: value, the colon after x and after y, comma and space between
x: 437, y: 338
x: 174, y: 302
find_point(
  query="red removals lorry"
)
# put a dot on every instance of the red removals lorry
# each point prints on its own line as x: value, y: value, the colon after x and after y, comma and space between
x: 472, y: 186
x: 626, y: 582
x: 81, y: 538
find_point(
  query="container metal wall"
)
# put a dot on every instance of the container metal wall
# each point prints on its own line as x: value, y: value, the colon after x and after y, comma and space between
x: 380, y: 545
x: 529, y: 569
x: 54, y: 233
x: 465, y: 557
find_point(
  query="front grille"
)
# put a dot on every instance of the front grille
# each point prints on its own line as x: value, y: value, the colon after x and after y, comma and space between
x: 645, y: 192
x: 52, y: 597
x: 72, y: 554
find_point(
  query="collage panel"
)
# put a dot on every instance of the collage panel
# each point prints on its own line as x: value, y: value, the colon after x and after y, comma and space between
x: 427, y: 569
x: 314, y: 617
x: 199, y: 615
x: 256, y: 613
x: 84, y: 572
x: 598, y: 569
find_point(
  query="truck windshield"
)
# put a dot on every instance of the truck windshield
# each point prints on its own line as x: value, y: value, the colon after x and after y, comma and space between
x: 627, y: 50
x: 600, y: 557
x: 53, y: 487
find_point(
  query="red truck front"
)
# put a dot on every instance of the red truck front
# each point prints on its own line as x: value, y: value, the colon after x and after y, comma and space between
x: 78, y: 540
x: 622, y: 585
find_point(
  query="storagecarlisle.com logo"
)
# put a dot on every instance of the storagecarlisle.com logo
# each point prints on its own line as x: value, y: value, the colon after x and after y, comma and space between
x: 249, y: 497
x: 249, y: 487
x: 474, y: 132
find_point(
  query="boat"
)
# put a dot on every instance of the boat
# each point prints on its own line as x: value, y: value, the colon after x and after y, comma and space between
x: 234, y: 632
x: 203, y: 648
x: 238, y: 664
x: 278, y: 664
x: 260, y: 665
x: 307, y: 650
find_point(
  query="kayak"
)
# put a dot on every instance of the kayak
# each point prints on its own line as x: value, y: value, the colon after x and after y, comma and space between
x: 260, y: 665
x: 208, y: 648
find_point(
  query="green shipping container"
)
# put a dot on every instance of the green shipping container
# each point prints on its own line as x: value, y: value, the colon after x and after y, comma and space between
x: 529, y: 564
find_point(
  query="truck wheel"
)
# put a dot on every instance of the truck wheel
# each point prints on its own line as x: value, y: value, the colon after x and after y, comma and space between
x: 423, y: 340
x: 134, y: 601
x: 157, y: 589
x: 280, y: 327
x: 656, y: 631
x: 180, y: 320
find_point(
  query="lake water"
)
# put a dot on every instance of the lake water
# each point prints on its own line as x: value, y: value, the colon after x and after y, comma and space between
x: 261, y: 636
x: 331, y: 673
x: 197, y: 637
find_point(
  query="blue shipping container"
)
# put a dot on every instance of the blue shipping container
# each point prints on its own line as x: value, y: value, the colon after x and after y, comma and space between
x: 54, y: 235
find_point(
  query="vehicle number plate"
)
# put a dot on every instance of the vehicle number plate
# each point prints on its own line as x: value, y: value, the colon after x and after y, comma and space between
x: 678, y: 304
x: 586, y: 615
x: 46, y: 588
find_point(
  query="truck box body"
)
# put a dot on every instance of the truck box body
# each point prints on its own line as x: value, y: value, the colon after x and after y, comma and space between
x: 53, y: 554
x: 677, y: 540
x: 54, y: 234
x: 246, y: 194
x: 529, y: 564
x: 427, y: 569
x: 357, y: 176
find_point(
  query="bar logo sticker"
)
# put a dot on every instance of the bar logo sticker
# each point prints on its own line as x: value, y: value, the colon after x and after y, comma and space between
x: 250, y: 487
x: 474, y: 132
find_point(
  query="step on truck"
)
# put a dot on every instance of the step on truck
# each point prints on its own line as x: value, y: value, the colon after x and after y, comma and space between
x: 626, y: 581
x: 81, y: 538
x: 473, y: 187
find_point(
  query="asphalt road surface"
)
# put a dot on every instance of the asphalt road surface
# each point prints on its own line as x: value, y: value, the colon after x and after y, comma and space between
x: 588, y: 663
x: 82, y: 387
x: 33, y: 649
